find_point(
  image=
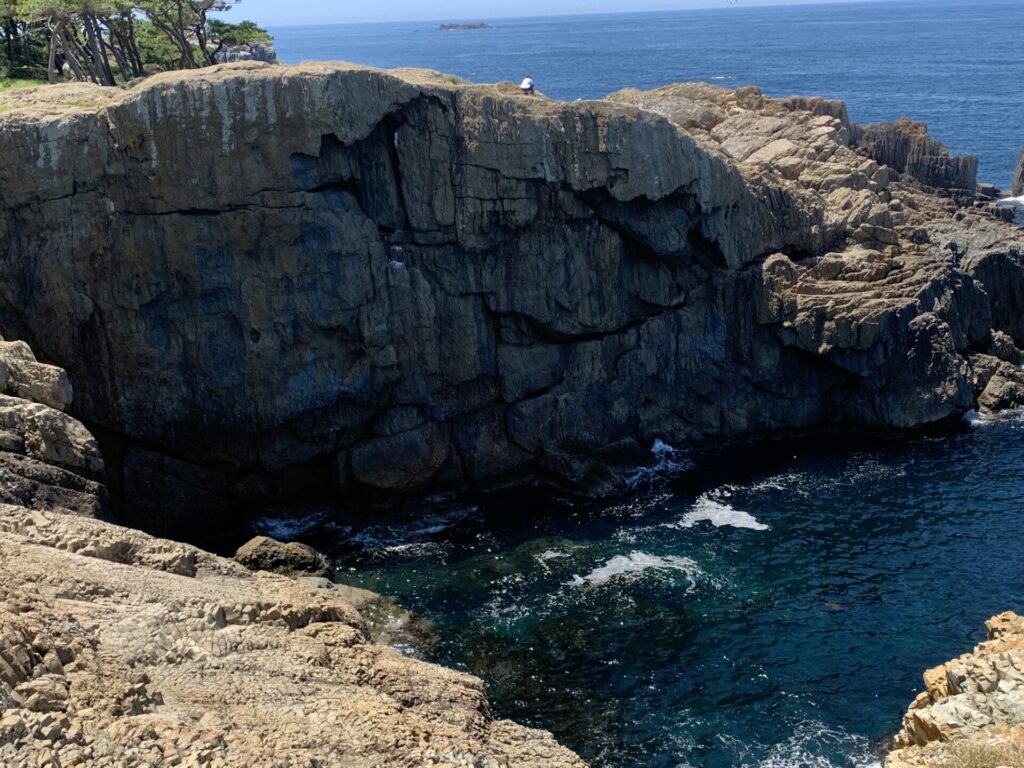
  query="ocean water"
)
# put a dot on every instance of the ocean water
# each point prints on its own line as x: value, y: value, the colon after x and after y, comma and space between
x: 771, y: 607
x: 953, y: 63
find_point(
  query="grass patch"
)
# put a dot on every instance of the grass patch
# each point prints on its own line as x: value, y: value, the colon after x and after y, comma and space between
x: 972, y: 755
x: 18, y: 82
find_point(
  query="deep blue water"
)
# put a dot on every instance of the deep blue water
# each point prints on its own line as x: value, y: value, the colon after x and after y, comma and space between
x: 771, y: 607
x: 955, y: 64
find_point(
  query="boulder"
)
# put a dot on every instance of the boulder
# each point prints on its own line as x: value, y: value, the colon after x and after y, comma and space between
x: 292, y: 559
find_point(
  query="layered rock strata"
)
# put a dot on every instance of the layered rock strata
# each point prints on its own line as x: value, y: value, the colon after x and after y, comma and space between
x: 266, y: 278
x: 48, y: 460
x: 973, y: 705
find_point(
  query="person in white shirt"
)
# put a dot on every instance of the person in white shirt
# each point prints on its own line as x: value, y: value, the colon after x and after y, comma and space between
x: 527, y: 86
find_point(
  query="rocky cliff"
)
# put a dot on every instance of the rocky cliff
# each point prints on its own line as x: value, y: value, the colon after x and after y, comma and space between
x: 119, y: 649
x: 972, y: 711
x: 265, y: 279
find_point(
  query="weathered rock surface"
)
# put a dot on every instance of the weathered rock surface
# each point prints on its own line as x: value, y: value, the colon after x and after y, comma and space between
x: 291, y: 559
x: 973, y: 703
x: 48, y: 460
x: 906, y: 147
x: 264, y: 278
x: 120, y: 649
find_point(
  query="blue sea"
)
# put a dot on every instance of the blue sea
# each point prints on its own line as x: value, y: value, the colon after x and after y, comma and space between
x: 956, y: 64
x: 773, y: 606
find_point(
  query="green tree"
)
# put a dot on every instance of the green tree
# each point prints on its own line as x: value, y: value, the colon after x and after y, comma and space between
x: 101, y: 40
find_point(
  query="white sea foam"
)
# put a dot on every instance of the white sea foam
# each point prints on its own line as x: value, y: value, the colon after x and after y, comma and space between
x: 719, y: 514
x: 975, y: 419
x: 636, y: 563
x: 810, y: 746
x: 804, y: 749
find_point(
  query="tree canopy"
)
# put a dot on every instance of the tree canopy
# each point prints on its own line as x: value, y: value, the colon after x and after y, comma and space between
x: 106, y: 41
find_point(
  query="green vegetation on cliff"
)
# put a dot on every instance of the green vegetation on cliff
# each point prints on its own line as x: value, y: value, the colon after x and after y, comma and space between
x: 106, y: 41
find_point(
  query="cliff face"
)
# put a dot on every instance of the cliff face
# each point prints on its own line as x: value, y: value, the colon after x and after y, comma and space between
x: 906, y: 147
x: 262, y: 276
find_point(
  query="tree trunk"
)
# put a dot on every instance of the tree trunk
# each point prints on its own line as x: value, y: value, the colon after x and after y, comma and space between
x: 69, y: 44
x: 10, y: 32
x: 116, y: 46
x: 140, y: 68
x: 51, y: 74
x: 124, y: 31
x: 103, y: 62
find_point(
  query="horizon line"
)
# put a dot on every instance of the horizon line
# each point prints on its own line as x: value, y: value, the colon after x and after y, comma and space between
x: 707, y: 7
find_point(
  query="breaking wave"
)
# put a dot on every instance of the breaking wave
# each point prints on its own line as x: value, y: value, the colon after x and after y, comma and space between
x: 636, y: 563
x: 719, y: 514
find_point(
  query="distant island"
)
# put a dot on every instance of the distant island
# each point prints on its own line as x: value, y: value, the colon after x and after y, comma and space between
x: 477, y: 25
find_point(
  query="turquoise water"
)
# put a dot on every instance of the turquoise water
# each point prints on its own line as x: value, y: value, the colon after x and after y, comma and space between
x: 772, y: 607
x: 953, y: 63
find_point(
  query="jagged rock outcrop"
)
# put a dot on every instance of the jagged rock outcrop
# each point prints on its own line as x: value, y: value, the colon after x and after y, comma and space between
x: 48, y: 460
x: 267, y: 278
x: 906, y: 147
x: 254, y: 51
x: 971, y: 705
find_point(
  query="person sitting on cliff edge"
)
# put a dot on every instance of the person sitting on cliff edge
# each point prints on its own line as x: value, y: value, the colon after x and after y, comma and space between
x: 527, y: 86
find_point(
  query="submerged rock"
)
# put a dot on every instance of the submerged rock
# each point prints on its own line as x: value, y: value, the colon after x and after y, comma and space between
x: 387, y: 282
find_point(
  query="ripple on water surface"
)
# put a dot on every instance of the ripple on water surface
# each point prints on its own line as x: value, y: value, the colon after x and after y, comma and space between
x: 765, y: 608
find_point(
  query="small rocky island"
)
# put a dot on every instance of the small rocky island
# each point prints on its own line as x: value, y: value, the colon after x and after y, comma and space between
x: 455, y: 27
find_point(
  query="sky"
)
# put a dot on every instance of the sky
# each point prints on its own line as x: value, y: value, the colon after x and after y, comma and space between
x: 271, y: 13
